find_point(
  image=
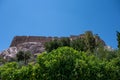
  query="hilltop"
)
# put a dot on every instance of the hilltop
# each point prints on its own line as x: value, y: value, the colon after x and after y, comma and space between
x: 36, y: 44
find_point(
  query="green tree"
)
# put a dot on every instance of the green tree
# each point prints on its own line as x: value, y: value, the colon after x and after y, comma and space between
x: 27, y: 56
x: 7, y: 70
x: 49, y: 46
x: 20, y: 56
x: 2, y: 60
x: 90, y: 41
x: 58, y: 64
x: 118, y: 39
x: 23, y: 56
x: 68, y: 64
x: 65, y: 41
x: 64, y: 63
x: 78, y: 44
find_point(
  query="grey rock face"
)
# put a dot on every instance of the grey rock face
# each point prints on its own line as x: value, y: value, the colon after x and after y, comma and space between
x: 9, y: 53
x: 33, y: 47
x: 108, y: 48
x: 35, y: 44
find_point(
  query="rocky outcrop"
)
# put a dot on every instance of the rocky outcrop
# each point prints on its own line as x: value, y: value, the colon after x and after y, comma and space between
x: 35, y: 44
x: 9, y: 53
x: 21, y: 39
x: 33, y: 47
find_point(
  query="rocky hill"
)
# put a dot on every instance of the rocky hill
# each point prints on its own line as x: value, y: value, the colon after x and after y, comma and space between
x: 21, y: 39
x: 35, y: 44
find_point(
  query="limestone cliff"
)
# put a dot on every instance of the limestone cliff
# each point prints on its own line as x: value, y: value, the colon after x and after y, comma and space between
x: 35, y: 44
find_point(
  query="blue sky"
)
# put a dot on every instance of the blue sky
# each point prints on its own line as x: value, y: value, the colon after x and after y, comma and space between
x: 59, y: 18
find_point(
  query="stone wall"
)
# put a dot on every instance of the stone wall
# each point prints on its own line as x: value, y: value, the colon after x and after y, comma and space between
x: 35, y: 44
x: 42, y: 39
x: 21, y: 39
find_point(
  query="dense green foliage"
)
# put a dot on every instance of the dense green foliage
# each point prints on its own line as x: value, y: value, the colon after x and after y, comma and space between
x: 118, y: 39
x: 64, y: 63
x: 81, y: 59
x: 23, y: 56
x: 78, y: 44
x: 2, y: 60
x: 57, y: 43
x: 87, y: 43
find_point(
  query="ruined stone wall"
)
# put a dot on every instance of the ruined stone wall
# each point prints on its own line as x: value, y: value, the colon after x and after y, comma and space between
x: 21, y: 39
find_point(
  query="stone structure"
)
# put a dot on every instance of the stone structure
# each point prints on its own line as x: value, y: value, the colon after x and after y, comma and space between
x: 35, y: 44
x: 21, y: 39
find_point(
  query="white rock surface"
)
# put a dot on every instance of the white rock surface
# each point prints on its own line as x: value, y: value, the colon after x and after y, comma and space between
x: 9, y: 53
x: 109, y: 48
x: 33, y: 47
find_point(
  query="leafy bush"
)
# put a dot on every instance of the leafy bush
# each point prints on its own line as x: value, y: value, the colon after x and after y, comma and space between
x: 64, y: 63
x: 49, y: 46
x: 24, y: 56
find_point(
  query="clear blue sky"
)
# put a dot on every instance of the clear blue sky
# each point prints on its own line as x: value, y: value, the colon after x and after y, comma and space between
x: 59, y: 18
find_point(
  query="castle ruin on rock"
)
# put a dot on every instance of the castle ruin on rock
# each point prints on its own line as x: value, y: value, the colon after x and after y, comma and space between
x: 35, y: 44
x: 17, y: 40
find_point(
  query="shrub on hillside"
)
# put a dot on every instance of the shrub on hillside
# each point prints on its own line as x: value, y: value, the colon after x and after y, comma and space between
x: 64, y: 63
